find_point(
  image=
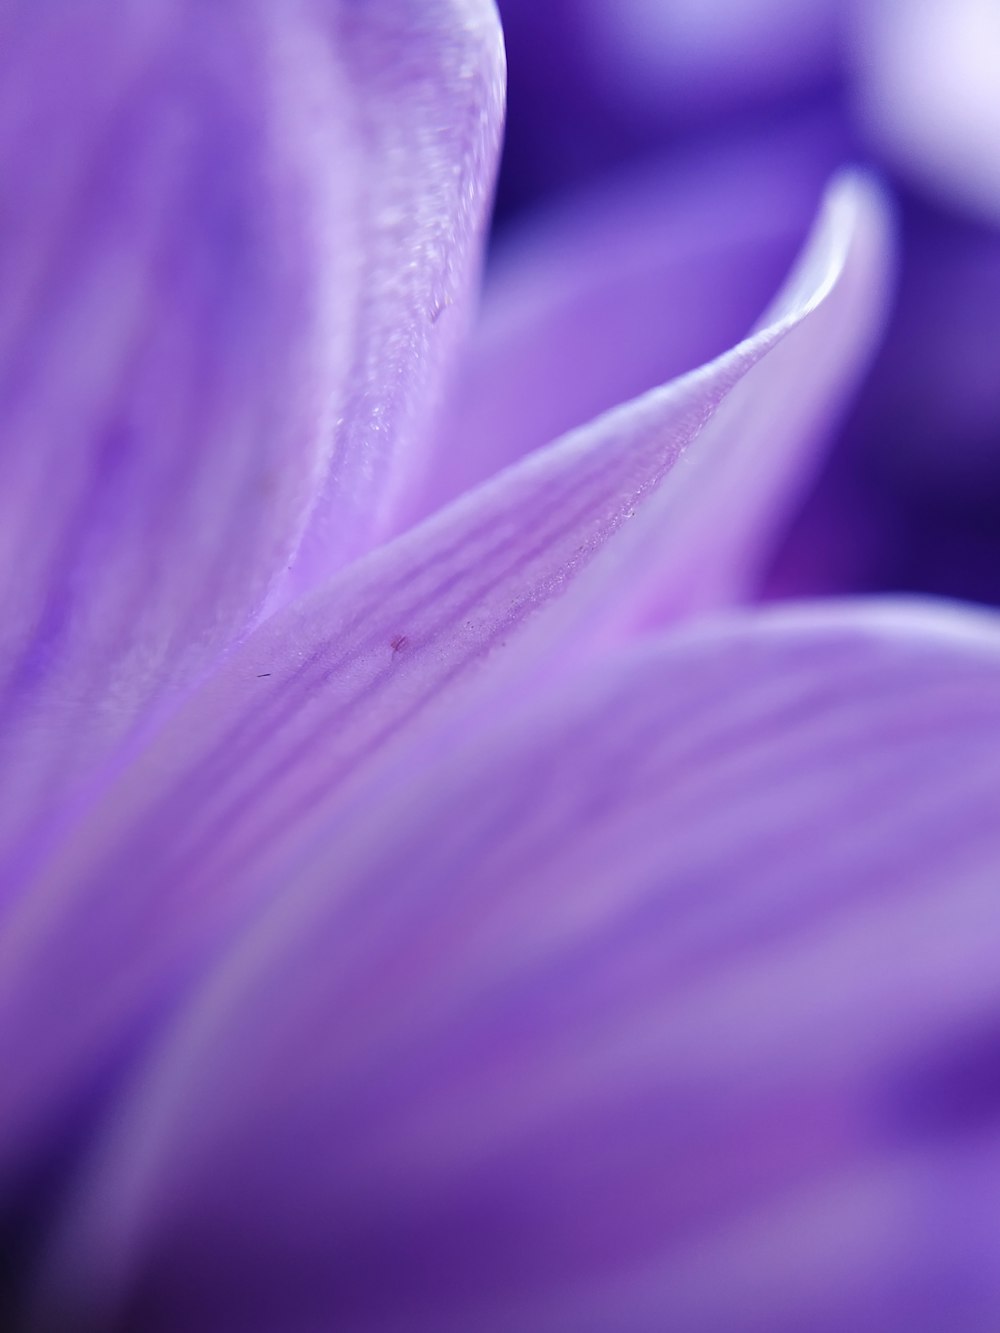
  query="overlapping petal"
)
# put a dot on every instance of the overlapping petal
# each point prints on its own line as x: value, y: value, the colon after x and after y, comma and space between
x: 670, y: 1002
x: 458, y: 616
x: 230, y: 277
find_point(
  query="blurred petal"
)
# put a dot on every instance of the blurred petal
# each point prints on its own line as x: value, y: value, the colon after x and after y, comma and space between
x: 624, y: 288
x: 168, y: 329
x: 689, y: 56
x: 190, y: 838
x: 707, y: 537
x: 220, y: 285
x: 595, y: 83
x: 929, y: 90
x: 688, y: 1020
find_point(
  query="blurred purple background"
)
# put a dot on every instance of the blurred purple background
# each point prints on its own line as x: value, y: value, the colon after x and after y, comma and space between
x: 663, y: 159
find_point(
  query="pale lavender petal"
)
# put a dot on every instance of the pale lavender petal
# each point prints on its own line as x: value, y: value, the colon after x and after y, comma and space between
x: 458, y: 616
x: 427, y: 78
x: 625, y: 287
x: 227, y: 287
x: 671, y: 1002
x: 929, y: 93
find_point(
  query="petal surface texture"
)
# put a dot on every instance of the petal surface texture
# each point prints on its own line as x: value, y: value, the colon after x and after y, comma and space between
x: 428, y: 83
x: 221, y: 287
x: 522, y: 578
x: 672, y: 1002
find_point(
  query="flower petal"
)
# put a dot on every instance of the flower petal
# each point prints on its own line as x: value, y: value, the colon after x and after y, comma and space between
x: 908, y: 499
x: 624, y: 288
x: 453, y: 620
x: 220, y: 289
x: 167, y: 334
x: 672, y: 1002
x: 428, y: 80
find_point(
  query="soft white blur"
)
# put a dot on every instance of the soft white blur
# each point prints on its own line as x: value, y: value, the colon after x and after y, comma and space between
x: 929, y: 93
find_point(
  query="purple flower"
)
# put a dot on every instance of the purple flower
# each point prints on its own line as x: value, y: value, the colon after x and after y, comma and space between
x: 434, y: 898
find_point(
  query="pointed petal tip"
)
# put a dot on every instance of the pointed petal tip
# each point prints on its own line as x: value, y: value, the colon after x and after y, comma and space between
x: 855, y: 225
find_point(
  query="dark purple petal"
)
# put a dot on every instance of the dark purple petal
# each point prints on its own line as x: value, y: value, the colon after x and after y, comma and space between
x: 520, y: 578
x: 235, y: 244
x: 672, y: 1002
